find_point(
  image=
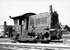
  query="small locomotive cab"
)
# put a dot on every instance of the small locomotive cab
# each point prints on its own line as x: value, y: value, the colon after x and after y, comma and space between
x: 43, y: 26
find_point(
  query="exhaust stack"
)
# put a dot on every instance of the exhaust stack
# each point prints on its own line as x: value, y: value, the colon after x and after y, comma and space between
x: 51, y: 10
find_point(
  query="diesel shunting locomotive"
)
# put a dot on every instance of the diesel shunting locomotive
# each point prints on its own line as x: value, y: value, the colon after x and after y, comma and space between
x: 37, y: 27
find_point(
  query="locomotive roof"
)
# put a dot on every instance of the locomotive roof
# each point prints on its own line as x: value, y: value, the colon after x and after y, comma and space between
x: 26, y: 15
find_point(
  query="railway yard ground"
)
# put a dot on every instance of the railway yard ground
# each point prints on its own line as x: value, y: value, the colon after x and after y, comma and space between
x: 5, y: 44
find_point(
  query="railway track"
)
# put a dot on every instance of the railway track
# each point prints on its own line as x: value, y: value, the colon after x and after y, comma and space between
x: 53, y: 45
x: 37, y: 46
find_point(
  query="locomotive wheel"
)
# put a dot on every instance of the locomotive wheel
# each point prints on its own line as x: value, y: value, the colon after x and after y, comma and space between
x: 46, y: 35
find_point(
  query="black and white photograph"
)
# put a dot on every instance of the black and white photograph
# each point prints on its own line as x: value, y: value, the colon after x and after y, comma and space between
x: 34, y: 24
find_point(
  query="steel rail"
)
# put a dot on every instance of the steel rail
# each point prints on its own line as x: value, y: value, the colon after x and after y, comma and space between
x: 35, y: 45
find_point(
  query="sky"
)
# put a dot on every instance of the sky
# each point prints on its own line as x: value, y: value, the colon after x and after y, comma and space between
x: 18, y: 7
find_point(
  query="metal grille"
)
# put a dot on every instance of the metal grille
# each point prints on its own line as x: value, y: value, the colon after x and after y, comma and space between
x: 44, y: 20
x: 37, y: 21
x: 41, y: 21
x: 31, y: 21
